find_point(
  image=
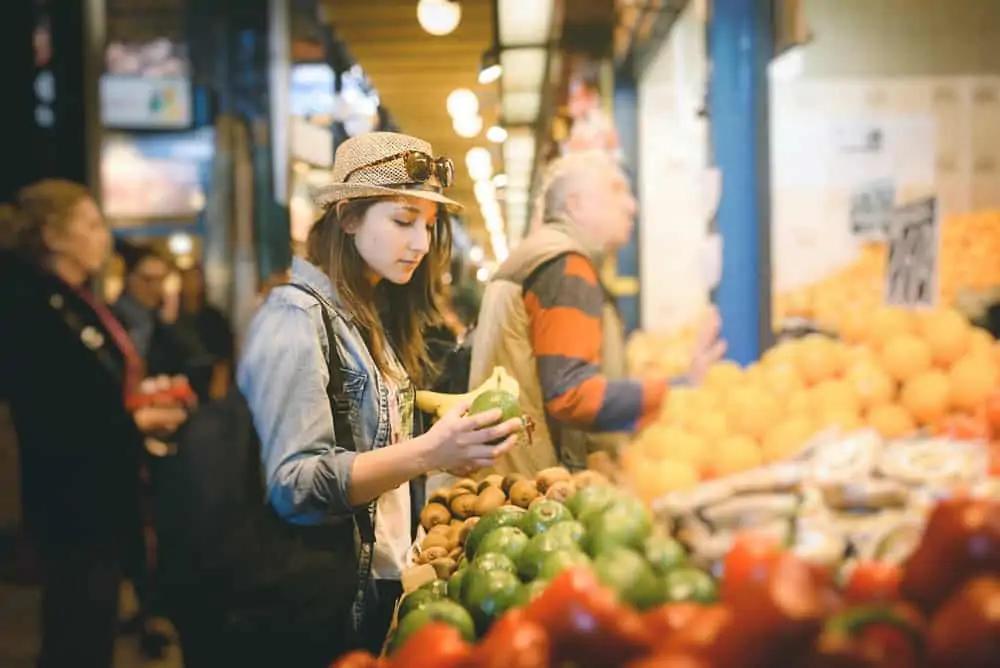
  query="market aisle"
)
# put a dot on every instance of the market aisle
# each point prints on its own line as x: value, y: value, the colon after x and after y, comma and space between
x: 19, y: 634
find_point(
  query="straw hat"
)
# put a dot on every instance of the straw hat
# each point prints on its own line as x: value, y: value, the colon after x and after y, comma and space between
x: 375, y: 165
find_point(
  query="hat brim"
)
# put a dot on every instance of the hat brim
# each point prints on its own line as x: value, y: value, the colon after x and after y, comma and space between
x: 341, y: 191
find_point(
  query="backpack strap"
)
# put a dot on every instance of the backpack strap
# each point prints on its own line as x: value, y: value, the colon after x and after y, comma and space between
x: 344, y: 435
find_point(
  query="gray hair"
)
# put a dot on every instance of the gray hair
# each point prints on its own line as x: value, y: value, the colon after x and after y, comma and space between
x: 563, y: 172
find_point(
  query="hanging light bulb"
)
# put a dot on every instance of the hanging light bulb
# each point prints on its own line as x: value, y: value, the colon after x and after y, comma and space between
x: 438, y: 17
x: 479, y: 163
x: 497, y: 134
x: 462, y: 102
x: 490, y: 68
x: 467, y: 126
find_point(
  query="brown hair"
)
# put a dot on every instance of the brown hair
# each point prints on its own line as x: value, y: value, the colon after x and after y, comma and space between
x: 36, y: 206
x: 386, y: 314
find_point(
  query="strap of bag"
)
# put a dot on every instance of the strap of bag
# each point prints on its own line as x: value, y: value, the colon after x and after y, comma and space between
x: 344, y: 434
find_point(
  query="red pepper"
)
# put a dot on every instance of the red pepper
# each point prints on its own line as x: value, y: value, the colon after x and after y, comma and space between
x: 358, y: 659
x: 749, y: 562
x: 514, y: 641
x: 666, y: 620
x: 962, y: 540
x: 966, y: 630
x: 586, y: 623
x: 435, y: 645
x: 877, y: 635
x: 775, y: 618
x: 873, y: 581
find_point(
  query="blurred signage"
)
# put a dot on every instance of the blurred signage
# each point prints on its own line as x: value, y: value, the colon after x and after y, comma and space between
x: 911, y: 279
x: 139, y: 102
x: 871, y: 209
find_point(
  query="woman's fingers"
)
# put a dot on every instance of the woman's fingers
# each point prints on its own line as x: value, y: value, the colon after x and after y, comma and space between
x: 480, y: 420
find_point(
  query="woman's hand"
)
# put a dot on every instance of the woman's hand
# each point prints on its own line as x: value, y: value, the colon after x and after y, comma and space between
x: 461, y: 443
x: 159, y: 420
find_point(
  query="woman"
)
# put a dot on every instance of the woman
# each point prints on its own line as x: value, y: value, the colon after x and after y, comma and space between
x: 373, y: 262
x: 69, y: 371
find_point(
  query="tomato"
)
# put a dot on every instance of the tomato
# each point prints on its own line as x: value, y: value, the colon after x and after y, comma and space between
x: 966, y: 629
x: 670, y: 660
x: 435, y: 645
x: 749, y: 562
x: 514, y: 641
x: 586, y: 623
x: 873, y: 581
x: 357, y: 659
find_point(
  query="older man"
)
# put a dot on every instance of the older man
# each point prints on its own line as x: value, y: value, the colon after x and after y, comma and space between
x: 550, y: 321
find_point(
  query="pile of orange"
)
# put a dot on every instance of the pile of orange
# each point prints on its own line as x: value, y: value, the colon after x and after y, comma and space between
x: 896, y: 371
x: 970, y: 246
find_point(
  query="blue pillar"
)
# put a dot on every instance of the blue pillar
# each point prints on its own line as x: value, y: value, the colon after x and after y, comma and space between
x: 626, y: 117
x: 740, y: 47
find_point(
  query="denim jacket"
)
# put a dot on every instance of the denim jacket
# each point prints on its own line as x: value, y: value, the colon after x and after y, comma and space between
x: 283, y: 374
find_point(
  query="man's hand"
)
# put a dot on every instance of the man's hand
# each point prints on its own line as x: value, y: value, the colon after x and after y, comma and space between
x: 708, y: 347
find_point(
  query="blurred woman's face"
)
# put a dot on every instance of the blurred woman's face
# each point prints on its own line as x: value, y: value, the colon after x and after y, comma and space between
x: 83, y: 239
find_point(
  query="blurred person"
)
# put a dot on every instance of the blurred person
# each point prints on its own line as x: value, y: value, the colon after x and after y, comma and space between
x: 75, y: 384
x: 150, y: 315
x: 202, y: 322
x: 357, y: 307
x: 547, y: 317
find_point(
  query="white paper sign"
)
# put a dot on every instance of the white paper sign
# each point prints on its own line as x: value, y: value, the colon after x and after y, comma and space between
x: 138, y: 102
x: 911, y: 279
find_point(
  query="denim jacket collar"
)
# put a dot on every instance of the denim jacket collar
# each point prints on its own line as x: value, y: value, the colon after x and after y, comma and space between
x: 307, y: 273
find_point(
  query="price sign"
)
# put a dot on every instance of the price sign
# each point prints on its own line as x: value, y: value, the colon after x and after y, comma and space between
x: 871, y: 209
x: 911, y: 279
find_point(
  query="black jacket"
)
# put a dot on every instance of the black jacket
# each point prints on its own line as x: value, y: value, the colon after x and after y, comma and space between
x: 63, y: 377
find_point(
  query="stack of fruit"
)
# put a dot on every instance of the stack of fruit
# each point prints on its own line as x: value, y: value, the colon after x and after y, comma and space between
x: 969, y: 248
x: 452, y: 512
x: 511, y: 554
x: 893, y: 370
x: 938, y: 610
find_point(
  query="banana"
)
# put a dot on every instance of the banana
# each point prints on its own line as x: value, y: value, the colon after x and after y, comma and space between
x: 438, y: 403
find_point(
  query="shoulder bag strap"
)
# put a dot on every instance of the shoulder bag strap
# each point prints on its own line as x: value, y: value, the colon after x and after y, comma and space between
x: 344, y: 434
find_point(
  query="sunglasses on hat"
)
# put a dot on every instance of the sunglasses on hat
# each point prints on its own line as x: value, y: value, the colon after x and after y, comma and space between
x: 419, y: 166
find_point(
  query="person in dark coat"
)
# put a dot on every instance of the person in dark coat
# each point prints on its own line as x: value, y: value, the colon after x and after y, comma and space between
x: 68, y: 370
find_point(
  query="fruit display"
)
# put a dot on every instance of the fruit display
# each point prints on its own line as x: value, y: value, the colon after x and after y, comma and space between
x: 937, y: 609
x: 510, y: 554
x: 967, y: 259
x: 842, y: 501
x: 459, y: 516
x: 896, y: 371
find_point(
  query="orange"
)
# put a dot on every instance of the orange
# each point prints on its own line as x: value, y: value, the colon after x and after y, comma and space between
x: 854, y: 325
x: 836, y: 393
x: 787, y: 437
x: 723, y: 375
x: 800, y: 402
x: 906, y: 355
x: 711, y: 425
x: 872, y: 386
x: 818, y: 358
x: 736, y: 453
x: 786, y: 351
x: 781, y: 378
x: 888, y: 322
x: 751, y: 411
x: 844, y: 417
x: 891, y: 420
x: 947, y: 332
x: 927, y: 396
x: 981, y: 341
x: 652, y: 479
x: 676, y: 443
x: 973, y: 378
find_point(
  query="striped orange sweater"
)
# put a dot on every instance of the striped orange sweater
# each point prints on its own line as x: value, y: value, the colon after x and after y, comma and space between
x: 563, y: 300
